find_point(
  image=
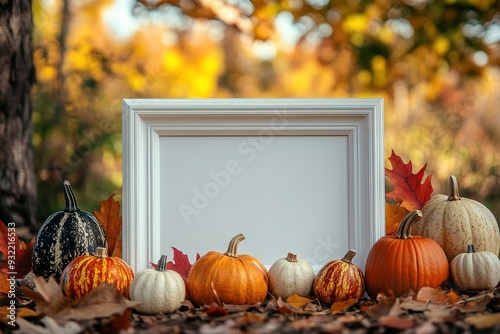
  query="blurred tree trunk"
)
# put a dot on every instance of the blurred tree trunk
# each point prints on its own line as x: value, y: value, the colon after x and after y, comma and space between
x: 17, y: 75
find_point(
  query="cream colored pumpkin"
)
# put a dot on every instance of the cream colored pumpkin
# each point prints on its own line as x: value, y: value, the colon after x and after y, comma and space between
x: 158, y: 290
x: 290, y: 275
x: 455, y: 222
x: 475, y: 271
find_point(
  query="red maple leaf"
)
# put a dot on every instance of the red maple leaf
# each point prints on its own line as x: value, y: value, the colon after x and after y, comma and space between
x: 409, y: 189
x: 180, y: 263
x: 11, y: 245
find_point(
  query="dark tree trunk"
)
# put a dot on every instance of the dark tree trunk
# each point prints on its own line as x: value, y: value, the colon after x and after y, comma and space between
x: 17, y: 75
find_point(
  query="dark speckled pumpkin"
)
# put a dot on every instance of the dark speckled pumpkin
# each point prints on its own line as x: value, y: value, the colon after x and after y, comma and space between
x: 64, y: 236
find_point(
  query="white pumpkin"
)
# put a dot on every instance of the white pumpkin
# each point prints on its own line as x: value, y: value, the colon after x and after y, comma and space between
x: 158, y: 290
x: 455, y: 222
x: 290, y: 275
x: 475, y: 271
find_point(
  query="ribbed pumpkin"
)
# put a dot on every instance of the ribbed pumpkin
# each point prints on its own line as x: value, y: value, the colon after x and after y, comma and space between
x: 158, y: 290
x: 400, y: 263
x: 290, y: 275
x: 475, y: 270
x: 339, y: 280
x: 227, y: 278
x: 87, y: 272
x: 64, y: 236
x: 455, y: 222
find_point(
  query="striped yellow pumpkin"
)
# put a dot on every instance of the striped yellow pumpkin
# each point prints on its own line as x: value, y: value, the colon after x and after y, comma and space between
x: 87, y: 272
x: 339, y: 280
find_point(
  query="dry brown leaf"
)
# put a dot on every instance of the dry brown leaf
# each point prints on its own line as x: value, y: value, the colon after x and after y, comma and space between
x: 251, y: 318
x: 351, y: 318
x: 477, y: 303
x: 438, y: 295
x: 481, y: 321
x: 298, y: 301
x: 333, y: 327
x: 442, y: 314
x: 415, y: 305
x: 338, y: 307
x: 382, y: 307
x: 284, y: 307
x: 396, y: 322
x: 48, y: 297
x: 101, y: 302
x: 50, y: 327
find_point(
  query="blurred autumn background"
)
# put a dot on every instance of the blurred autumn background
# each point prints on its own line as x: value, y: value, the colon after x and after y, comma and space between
x: 435, y: 63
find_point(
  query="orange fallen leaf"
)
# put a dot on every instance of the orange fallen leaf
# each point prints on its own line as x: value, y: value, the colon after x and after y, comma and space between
x: 394, y: 214
x: 118, y: 249
x: 437, y: 295
x: 4, y: 282
x: 338, y: 307
x: 298, y: 301
x: 15, y: 312
x: 110, y: 218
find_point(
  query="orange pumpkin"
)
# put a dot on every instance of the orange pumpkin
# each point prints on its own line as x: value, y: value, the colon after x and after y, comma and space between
x: 87, y: 272
x: 400, y: 263
x: 339, y: 280
x: 227, y: 278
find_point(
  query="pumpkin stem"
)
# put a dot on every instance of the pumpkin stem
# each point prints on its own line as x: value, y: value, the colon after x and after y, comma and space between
x: 454, y: 194
x: 232, y: 249
x: 349, y: 256
x: 404, y: 229
x: 162, y: 264
x: 101, y: 252
x: 471, y: 248
x: 291, y: 257
x: 69, y: 197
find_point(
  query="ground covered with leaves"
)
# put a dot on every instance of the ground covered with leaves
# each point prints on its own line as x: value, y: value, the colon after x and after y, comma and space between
x: 38, y: 306
x: 439, y: 310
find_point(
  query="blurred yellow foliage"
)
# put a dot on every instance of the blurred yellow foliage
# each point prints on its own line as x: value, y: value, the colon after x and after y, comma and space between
x: 434, y: 113
x: 355, y: 23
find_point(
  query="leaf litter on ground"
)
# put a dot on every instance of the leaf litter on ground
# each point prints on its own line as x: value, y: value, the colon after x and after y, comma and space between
x: 102, y: 302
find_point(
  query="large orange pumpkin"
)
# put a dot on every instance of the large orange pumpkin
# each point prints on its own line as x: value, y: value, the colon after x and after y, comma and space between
x: 87, y: 272
x: 227, y: 278
x: 400, y: 263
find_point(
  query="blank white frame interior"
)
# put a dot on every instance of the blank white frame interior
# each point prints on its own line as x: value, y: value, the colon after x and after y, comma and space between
x: 293, y: 175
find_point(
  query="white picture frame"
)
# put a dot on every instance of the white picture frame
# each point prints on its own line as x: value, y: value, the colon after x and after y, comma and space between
x: 196, y: 172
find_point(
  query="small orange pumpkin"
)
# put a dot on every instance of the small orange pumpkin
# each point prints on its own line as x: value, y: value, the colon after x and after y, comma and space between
x: 339, y: 280
x: 87, y: 272
x: 227, y: 278
x: 400, y: 263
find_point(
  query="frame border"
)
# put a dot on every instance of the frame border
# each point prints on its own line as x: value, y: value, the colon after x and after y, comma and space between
x: 146, y: 120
